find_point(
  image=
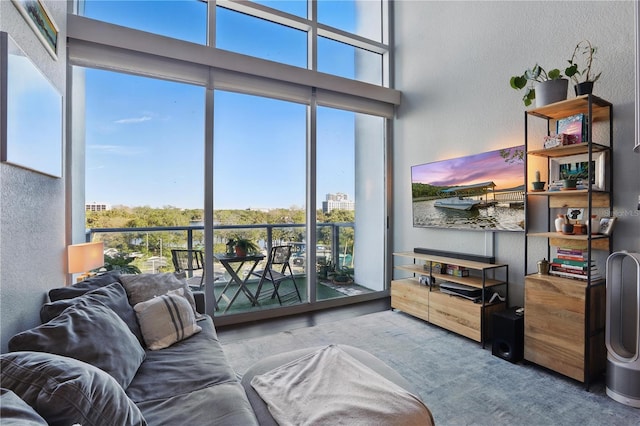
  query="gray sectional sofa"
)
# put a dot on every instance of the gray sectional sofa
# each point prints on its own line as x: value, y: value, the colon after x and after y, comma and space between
x: 57, y: 372
x: 91, y: 362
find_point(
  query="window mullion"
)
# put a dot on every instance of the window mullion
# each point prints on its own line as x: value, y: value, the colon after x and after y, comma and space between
x: 312, y: 37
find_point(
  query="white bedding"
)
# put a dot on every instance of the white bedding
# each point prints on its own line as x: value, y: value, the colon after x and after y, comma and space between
x: 330, y: 387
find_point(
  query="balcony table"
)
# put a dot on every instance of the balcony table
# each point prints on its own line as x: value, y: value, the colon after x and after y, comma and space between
x: 233, y: 264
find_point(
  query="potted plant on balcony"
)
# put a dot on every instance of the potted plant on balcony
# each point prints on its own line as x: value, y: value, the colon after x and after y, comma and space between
x: 549, y: 87
x: 342, y: 276
x: 120, y: 262
x: 244, y: 246
x: 583, y: 78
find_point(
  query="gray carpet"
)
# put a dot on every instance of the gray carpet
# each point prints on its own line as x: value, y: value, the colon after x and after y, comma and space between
x: 460, y: 382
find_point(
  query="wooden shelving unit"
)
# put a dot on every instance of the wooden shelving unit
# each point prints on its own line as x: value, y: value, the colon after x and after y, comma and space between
x: 462, y: 316
x: 565, y: 317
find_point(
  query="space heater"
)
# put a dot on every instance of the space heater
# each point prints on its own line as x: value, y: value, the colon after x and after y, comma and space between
x: 622, y: 333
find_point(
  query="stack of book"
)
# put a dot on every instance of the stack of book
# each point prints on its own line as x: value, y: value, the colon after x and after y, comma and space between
x: 574, y: 127
x: 457, y: 271
x: 572, y: 263
x: 558, y: 185
x: 434, y: 267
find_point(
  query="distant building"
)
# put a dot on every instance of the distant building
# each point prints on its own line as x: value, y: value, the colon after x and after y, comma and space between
x: 337, y: 201
x: 97, y: 207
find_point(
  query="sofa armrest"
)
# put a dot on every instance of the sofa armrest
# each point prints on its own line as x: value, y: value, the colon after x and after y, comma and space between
x: 200, y: 303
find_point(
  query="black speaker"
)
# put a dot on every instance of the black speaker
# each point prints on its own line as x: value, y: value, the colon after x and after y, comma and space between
x: 508, y: 335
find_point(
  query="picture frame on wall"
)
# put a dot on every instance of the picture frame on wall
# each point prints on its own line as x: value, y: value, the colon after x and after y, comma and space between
x: 575, y: 166
x: 39, y: 19
x: 31, y: 113
x: 606, y: 225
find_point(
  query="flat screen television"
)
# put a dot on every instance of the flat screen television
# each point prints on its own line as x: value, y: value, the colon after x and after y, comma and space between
x: 481, y: 192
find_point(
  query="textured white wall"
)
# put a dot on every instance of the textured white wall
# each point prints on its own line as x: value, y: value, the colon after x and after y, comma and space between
x: 453, y: 64
x: 32, y: 209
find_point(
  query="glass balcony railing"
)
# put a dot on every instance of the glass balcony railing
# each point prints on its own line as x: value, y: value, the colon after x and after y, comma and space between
x: 149, y: 249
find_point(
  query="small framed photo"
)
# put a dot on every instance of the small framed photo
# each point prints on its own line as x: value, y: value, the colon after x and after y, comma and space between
x: 606, y: 225
x: 575, y: 214
x: 577, y: 167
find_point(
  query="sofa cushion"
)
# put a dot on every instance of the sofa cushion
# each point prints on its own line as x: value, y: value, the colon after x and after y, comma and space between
x: 14, y: 411
x: 191, y: 364
x: 113, y: 296
x: 142, y: 287
x: 220, y: 405
x: 166, y: 319
x: 78, y: 289
x: 90, y: 332
x: 65, y: 391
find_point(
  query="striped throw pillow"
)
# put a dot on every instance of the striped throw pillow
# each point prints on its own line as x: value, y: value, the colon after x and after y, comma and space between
x: 165, y: 320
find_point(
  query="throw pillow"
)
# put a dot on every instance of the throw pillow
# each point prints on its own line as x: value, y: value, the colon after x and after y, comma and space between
x: 89, y: 332
x: 113, y: 296
x: 65, y: 391
x: 78, y: 289
x: 165, y: 320
x: 14, y: 411
x: 142, y: 287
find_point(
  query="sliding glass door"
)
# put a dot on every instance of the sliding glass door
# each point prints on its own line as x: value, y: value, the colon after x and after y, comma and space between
x: 259, y: 186
x: 350, y: 189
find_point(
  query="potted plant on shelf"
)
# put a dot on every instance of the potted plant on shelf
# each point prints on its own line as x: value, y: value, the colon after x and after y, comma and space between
x: 244, y: 246
x: 584, y: 84
x: 537, y: 184
x: 549, y: 87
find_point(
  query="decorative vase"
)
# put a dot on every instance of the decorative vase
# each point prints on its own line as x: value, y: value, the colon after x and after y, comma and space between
x: 538, y: 186
x: 550, y: 91
x: 569, y: 184
x: 584, y: 88
x: 543, y: 267
x: 593, y: 225
x: 241, y: 252
x: 559, y: 222
x: 567, y: 229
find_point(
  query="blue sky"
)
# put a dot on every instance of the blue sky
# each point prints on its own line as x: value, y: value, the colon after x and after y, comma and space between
x: 145, y: 137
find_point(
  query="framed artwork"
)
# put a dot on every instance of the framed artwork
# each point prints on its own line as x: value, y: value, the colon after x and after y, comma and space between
x: 606, y: 225
x: 30, y: 113
x: 575, y: 214
x: 576, y: 167
x: 39, y: 19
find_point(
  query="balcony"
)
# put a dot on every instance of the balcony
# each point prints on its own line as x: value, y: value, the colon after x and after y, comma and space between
x: 150, y: 248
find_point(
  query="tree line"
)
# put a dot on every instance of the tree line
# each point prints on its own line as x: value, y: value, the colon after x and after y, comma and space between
x: 159, y: 243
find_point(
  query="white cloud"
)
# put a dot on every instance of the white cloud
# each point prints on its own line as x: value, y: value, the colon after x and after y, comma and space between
x: 133, y: 120
x: 117, y: 149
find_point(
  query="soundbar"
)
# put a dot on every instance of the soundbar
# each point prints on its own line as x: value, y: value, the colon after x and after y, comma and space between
x: 455, y: 255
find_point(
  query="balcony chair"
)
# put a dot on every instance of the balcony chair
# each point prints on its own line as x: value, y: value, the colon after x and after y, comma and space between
x: 275, y: 272
x: 188, y: 261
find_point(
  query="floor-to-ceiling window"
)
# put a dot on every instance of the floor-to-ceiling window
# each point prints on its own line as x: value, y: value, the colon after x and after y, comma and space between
x: 297, y: 157
x: 350, y: 188
x: 144, y: 165
x: 259, y: 184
